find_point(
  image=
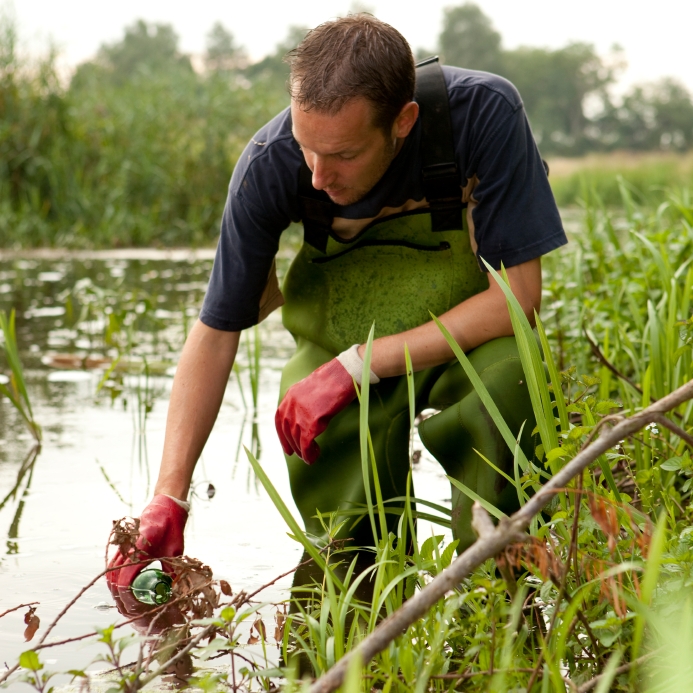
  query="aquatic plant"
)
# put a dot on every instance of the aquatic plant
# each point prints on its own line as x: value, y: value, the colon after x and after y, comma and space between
x: 15, y: 389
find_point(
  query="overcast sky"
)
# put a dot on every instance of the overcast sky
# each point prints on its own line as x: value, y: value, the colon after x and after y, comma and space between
x: 656, y: 36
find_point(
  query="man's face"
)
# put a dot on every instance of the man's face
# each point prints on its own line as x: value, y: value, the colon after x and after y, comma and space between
x: 346, y: 152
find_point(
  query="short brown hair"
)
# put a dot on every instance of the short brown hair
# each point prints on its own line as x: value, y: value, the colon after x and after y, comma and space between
x: 354, y: 56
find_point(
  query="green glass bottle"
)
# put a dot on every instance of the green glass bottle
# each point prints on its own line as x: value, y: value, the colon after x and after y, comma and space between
x: 152, y: 586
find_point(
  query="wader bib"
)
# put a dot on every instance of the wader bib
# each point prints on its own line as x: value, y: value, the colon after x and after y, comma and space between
x: 393, y: 273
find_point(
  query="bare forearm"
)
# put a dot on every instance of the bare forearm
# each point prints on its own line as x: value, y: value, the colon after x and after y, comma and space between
x: 198, y: 389
x: 472, y: 323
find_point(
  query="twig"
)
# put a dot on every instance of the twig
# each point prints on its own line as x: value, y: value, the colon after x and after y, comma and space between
x: 605, y: 362
x: 40, y: 644
x: 238, y: 600
x: 589, y: 685
x: 509, y: 530
x: 16, y: 608
x: 79, y: 594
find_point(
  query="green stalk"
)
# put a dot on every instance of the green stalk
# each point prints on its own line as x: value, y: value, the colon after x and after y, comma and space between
x: 649, y: 583
x: 483, y: 393
x: 363, y: 429
x: 295, y: 528
x: 532, y: 364
x: 17, y: 392
x: 553, y: 373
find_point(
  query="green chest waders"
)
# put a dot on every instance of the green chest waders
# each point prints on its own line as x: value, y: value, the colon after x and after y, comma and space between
x: 393, y: 274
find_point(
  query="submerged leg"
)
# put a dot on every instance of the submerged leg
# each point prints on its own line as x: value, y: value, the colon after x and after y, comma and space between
x: 464, y: 427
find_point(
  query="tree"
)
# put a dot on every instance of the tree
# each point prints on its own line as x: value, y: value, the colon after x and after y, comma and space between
x: 554, y: 85
x: 469, y: 40
x: 223, y: 54
x: 273, y: 69
x: 152, y: 47
x: 651, y: 116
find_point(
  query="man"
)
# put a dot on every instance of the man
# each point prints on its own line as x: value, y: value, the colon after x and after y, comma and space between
x: 399, y: 201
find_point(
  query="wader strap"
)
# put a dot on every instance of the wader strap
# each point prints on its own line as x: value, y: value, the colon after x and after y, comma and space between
x: 441, y: 177
x: 317, y: 212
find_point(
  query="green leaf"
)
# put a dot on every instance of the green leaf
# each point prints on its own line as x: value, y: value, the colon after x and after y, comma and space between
x: 286, y: 514
x: 553, y: 372
x: 29, y: 660
x: 605, y: 406
x: 363, y: 428
x: 352, y: 678
x: 429, y: 546
x: 555, y: 454
x: 227, y: 613
x: 673, y: 464
x: 649, y: 582
x: 446, y: 556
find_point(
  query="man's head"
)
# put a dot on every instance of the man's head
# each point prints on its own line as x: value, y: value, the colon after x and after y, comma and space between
x: 352, y: 84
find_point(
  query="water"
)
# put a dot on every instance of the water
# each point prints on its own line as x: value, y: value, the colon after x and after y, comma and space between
x: 101, y: 452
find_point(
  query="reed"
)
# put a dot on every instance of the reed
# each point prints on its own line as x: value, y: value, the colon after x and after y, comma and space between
x: 591, y: 599
x: 15, y: 389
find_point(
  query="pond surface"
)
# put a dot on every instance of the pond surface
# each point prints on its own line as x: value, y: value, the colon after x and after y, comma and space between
x: 103, y: 435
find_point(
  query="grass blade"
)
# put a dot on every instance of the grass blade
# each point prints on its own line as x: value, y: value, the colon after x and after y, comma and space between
x: 295, y: 528
x: 483, y: 393
x: 363, y: 428
x: 489, y: 507
x: 531, y: 363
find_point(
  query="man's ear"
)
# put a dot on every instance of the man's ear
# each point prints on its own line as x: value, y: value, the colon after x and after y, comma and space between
x: 405, y: 120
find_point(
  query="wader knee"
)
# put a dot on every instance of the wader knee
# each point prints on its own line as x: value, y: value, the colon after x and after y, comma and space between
x: 465, y: 426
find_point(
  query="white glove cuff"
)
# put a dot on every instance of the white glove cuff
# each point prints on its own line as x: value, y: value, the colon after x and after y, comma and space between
x: 183, y: 504
x: 353, y: 364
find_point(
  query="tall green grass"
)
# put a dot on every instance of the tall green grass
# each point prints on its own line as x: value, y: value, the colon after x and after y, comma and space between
x: 606, y: 553
x: 103, y: 163
x: 651, y: 175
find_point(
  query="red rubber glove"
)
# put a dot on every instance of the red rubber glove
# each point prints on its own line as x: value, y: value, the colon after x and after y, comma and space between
x: 161, y: 534
x: 308, y: 407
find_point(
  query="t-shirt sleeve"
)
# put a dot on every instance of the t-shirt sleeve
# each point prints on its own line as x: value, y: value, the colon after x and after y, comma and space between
x: 515, y: 216
x: 243, y: 287
x: 243, y: 281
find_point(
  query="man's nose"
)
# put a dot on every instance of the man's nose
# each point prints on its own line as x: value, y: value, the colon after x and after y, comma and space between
x: 323, y: 176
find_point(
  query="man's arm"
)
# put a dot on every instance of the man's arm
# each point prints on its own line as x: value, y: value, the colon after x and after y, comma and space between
x: 472, y: 323
x: 198, y: 389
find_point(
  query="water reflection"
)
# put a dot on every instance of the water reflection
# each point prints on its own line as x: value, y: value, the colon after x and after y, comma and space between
x: 27, y: 467
x: 99, y: 362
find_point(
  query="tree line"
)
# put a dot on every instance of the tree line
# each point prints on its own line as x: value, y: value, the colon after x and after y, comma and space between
x: 566, y: 91
x: 137, y: 147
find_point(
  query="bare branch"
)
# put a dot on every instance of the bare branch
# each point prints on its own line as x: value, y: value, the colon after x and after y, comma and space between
x: 16, y: 608
x: 604, y: 361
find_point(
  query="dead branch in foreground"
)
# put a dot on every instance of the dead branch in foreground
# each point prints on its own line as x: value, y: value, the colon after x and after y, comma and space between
x: 493, y: 539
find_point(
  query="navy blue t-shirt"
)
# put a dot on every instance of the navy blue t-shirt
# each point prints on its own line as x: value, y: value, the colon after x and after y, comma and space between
x: 510, y: 207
